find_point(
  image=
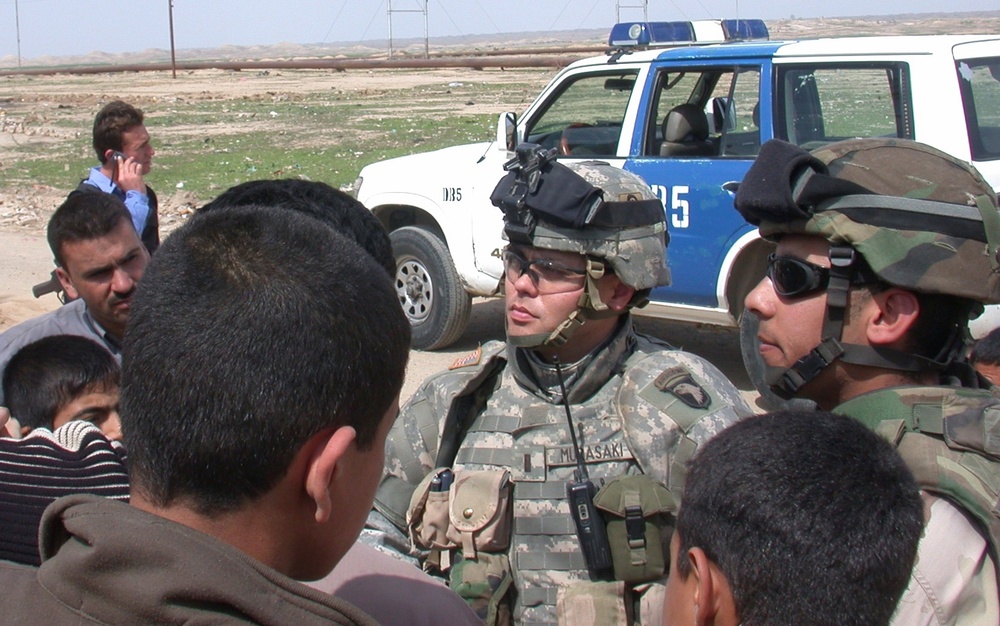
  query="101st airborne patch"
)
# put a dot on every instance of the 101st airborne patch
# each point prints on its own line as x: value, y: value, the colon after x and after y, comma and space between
x: 678, y: 382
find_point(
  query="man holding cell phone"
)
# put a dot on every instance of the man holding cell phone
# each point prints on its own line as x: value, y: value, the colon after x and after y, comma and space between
x: 122, y: 144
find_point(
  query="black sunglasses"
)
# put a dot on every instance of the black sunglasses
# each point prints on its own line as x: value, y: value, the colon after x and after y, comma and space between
x: 793, y: 277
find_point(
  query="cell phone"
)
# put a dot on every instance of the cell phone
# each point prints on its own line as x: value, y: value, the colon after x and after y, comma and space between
x: 116, y: 155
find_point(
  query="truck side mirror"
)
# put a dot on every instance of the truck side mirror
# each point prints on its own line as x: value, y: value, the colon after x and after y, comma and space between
x: 507, y: 131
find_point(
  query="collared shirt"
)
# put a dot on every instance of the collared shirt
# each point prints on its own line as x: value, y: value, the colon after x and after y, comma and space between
x: 69, y: 319
x: 136, y: 201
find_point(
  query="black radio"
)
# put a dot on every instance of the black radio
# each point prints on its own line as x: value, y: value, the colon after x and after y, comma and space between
x: 590, y: 529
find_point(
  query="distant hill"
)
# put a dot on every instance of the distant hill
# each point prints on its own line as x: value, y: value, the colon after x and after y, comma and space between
x: 982, y: 22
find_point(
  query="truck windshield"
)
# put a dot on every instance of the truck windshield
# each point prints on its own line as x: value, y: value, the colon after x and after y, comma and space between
x: 585, y: 117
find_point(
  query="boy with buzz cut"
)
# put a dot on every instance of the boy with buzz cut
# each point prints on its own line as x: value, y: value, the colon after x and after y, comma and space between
x: 793, y: 518
x: 262, y: 369
x: 61, y: 378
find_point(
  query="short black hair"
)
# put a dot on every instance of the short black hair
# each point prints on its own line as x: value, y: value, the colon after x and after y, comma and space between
x: 812, y: 517
x: 987, y: 349
x: 254, y: 329
x: 334, y: 207
x: 114, y: 120
x: 84, y: 215
x: 46, y: 375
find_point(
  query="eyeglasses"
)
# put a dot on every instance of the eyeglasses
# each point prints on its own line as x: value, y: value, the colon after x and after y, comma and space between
x: 793, y: 277
x: 547, y: 275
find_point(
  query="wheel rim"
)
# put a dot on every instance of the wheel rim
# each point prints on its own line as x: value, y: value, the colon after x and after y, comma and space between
x: 415, y: 290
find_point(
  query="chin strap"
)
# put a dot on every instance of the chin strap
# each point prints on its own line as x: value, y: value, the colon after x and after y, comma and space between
x: 785, y: 383
x: 588, y: 307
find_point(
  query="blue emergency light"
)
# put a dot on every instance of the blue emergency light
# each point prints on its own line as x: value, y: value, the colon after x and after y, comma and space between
x: 644, y: 34
x: 735, y: 30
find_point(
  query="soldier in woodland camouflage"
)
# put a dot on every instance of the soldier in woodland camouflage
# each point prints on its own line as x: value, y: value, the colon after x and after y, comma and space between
x: 586, y: 244
x: 885, y: 249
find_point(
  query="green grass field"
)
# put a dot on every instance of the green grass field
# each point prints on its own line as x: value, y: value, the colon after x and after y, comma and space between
x: 292, y: 124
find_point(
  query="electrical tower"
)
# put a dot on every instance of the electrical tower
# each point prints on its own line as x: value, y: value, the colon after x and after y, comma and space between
x: 390, y: 11
x: 633, y: 4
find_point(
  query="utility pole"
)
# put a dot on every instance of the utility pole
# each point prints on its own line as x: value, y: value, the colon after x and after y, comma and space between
x: 173, y: 57
x: 17, y: 27
x: 390, y: 11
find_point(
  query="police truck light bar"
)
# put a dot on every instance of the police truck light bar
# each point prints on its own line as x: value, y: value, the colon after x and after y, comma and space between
x: 652, y: 34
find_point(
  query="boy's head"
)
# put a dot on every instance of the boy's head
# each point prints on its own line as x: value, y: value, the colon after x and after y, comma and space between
x: 260, y: 341
x: 335, y: 208
x: 793, y: 518
x: 985, y: 356
x: 61, y: 378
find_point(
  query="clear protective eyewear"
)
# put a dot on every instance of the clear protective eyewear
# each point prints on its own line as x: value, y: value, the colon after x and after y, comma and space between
x: 547, y: 275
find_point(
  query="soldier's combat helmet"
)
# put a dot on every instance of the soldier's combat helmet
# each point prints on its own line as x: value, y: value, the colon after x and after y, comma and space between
x: 602, y: 212
x: 895, y: 212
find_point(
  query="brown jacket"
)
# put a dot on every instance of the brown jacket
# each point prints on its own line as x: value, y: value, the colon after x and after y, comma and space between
x: 106, y: 562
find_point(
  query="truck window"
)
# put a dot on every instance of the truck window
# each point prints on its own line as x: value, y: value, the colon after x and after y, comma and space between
x: 585, y: 117
x: 704, y: 113
x: 979, y: 80
x: 822, y: 104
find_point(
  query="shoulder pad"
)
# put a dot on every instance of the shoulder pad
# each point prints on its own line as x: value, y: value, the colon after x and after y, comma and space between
x: 670, y: 403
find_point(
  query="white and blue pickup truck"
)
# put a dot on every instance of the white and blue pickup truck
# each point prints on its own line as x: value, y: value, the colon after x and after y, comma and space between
x: 688, y: 117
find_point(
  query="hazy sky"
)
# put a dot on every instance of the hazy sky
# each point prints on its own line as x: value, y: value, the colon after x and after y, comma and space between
x: 66, y: 27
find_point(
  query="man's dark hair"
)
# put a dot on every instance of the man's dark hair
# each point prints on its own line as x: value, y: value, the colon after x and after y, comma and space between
x: 812, y: 517
x: 254, y: 328
x: 112, y: 121
x: 345, y: 214
x: 987, y: 349
x: 46, y: 375
x: 83, y: 216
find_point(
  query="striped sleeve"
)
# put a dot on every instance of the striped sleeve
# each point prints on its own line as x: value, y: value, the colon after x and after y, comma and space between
x: 46, y: 465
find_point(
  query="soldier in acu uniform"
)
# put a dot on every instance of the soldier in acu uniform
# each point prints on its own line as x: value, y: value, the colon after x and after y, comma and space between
x: 885, y: 249
x: 540, y: 475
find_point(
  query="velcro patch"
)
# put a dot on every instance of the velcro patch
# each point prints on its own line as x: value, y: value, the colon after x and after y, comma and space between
x: 473, y: 358
x: 562, y: 456
x: 678, y: 382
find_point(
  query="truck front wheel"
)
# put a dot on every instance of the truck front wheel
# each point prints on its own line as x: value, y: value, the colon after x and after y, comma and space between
x: 429, y: 289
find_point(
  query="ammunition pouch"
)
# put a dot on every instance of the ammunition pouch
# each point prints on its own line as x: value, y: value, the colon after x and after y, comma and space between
x: 484, y: 583
x: 467, y: 528
x: 637, y: 512
x: 473, y: 514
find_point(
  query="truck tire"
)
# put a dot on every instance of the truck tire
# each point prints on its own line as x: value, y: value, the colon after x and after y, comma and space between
x: 429, y: 289
x: 757, y: 370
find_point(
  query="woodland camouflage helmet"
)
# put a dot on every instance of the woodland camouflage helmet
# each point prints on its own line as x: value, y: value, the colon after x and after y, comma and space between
x: 592, y: 208
x: 933, y: 226
x: 895, y: 212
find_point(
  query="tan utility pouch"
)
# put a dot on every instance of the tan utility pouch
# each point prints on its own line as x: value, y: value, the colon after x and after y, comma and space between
x: 585, y: 602
x: 473, y: 514
x: 636, y: 510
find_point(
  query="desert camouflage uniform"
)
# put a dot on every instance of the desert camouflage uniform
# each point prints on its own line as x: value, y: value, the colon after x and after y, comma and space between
x: 639, y: 407
x: 943, y: 434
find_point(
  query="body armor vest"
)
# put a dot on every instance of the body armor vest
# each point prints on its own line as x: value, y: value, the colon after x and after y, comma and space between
x: 530, y: 437
x: 950, y: 440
